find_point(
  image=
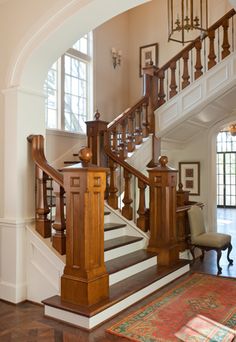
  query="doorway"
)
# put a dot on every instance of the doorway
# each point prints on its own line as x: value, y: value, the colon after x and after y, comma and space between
x: 226, y: 170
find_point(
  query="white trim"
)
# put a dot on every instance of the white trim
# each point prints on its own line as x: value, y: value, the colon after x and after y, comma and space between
x: 62, y: 133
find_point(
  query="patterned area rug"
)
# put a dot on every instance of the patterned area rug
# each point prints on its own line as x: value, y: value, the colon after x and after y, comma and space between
x: 211, y: 296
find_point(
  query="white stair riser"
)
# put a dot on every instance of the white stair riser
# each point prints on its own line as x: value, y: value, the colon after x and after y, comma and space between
x: 89, y: 323
x: 115, y: 233
x: 120, y: 251
x: 132, y: 270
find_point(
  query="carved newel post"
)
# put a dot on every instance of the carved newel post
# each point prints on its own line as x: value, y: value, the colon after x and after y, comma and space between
x: 163, y: 213
x: 85, y: 279
x: 95, y: 136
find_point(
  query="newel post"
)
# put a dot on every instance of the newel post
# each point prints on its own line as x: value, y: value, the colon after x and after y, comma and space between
x: 150, y: 84
x: 95, y: 136
x: 163, y: 237
x: 85, y: 279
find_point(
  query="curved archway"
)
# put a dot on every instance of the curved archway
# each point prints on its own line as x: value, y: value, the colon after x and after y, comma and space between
x: 212, y: 136
x: 55, y: 33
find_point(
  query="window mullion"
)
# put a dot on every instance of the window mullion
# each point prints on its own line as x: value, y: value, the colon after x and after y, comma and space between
x: 62, y: 95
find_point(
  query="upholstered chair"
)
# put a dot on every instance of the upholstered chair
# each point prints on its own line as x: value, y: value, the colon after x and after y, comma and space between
x: 207, y: 241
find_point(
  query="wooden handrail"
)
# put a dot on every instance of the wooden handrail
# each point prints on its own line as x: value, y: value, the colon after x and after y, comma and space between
x: 118, y: 120
x: 127, y: 166
x: 191, y: 45
x: 43, y: 172
x: 37, y: 142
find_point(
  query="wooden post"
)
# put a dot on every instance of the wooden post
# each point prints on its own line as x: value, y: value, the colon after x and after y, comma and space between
x: 95, y: 134
x: 163, y: 239
x: 85, y: 279
x: 150, y: 83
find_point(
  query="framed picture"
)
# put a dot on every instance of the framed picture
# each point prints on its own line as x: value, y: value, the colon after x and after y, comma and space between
x: 189, y: 176
x: 147, y: 54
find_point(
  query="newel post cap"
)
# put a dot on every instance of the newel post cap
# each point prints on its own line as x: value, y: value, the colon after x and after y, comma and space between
x: 85, y: 155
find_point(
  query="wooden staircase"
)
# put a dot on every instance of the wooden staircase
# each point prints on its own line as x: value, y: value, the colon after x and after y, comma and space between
x: 116, y: 264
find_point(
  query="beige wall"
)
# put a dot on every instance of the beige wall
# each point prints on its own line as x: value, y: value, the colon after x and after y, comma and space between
x: 111, y: 88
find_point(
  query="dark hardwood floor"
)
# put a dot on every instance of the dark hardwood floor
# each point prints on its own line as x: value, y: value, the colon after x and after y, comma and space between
x: 25, y: 322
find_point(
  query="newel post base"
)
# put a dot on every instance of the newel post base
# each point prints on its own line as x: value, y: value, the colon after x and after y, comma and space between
x: 85, y: 279
x: 163, y: 236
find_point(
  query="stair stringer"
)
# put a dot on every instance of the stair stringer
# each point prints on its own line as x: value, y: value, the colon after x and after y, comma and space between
x: 44, y: 267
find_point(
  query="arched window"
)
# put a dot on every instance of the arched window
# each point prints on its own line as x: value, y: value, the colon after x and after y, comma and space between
x: 68, y: 88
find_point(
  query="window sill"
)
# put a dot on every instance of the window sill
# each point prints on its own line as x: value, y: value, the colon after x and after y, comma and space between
x: 65, y: 134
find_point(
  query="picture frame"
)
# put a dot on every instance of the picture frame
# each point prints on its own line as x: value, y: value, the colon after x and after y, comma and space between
x: 189, y: 176
x: 147, y: 53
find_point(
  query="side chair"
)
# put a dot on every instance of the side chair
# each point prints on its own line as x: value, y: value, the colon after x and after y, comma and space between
x: 206, y: 241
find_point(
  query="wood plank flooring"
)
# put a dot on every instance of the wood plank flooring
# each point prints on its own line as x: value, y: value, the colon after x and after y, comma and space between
x: 25, y: 322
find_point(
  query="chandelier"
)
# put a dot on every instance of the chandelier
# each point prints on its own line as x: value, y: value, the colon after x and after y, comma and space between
x: 185, y: 18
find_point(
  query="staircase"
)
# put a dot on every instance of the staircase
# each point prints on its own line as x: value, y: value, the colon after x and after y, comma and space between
x: 133, y: 271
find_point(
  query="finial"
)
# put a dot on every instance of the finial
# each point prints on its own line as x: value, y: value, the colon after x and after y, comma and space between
x: 180, y: 186
x: 97, y: 115
x: 163, y: 160
x: 85, y: 155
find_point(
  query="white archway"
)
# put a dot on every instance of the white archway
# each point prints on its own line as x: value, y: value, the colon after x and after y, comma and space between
x: 212, y: 136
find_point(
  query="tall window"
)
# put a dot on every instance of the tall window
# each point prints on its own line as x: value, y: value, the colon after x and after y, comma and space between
x: 226, y: 170
x: 68, y: 88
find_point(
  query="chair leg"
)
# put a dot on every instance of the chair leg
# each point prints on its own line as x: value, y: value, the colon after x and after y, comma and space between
x: 219, y: 253
x: 203, y: 254
x: 228, y: 253
x: 192, y: 252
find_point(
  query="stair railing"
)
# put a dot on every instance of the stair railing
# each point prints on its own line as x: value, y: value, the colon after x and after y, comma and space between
x: 196, y: 59
x: 44, y: 173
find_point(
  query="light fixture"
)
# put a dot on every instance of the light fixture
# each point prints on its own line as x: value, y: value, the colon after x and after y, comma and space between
x: 116, y: 57
x: 232, y: 129
x: 186, y: 17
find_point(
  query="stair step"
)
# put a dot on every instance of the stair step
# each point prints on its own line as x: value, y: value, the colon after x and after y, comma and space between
x: 125, y: 261
x: 121, y: 241
x: 112, y: 226
x: 126, y: 293
x: 107, y: 213
x: 72, y: 162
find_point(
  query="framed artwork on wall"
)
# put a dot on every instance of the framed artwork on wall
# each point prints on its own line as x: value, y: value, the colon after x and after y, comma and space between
x: 147, y: 54
x: 189, y: 176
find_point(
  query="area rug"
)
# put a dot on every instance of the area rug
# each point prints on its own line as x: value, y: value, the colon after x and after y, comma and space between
x: 200, y: 294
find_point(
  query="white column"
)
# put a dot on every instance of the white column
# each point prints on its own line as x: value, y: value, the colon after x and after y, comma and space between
x: 23, y: 115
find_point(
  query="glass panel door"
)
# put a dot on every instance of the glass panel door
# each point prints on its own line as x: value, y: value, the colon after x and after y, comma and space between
x: 226, y: 179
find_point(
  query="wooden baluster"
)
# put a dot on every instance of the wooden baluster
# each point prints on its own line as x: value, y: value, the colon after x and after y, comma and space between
x: 130, y: 136
x: 185, y: 76
x: 138, y: 127
x: 123, y: 143
x: 142, y: 212
x: 112, y: 196
x: 145, y: 123
x: 114, y: 140
x: 43, y: 224
x: 225, y: 45
x: 59, y: 238
x: 212, y: 55
x: 127, y: 210
x: 161, y: 94
x: 173, y: 85
x: 198, y: 65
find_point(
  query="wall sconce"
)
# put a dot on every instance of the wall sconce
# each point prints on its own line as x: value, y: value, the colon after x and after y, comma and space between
x: 116, y: 57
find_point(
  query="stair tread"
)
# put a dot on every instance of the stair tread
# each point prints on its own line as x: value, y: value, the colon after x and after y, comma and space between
x: 120, y: 290
x: 112, y: 226
x: 120, y: 241
x: 107, y: 213
x: 128, y: 260
x: 72, y: 162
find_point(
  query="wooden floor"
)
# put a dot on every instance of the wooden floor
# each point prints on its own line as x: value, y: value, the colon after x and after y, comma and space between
x: 25, y: 322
